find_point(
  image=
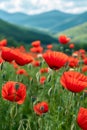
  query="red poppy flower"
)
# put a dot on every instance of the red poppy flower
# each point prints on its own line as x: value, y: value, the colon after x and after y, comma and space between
x: 63, y: 39
x: 7, y: 54
x: 14, y: 92
x: 36, y: 63
x: 41, y: 108
x: 74, y: 81
x: 82, y: 51
x: 83, y: 56
x: 3, y: 42
x: 22, y: 58
x: 73, y: 62
x: 71, y: 46
x: 84, y: 68
x: 82, y: 118
x: 38, y: 49
x: 42, y: 79
x: 43, y: 70
x: 50, y: 46
x: 36, y: 43
x: 55, y: 60
x: 85, y: 60
x: 22, y: 72
x: 22, y: 48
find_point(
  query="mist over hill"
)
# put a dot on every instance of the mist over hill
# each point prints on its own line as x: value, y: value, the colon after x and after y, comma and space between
x: 53, y: 21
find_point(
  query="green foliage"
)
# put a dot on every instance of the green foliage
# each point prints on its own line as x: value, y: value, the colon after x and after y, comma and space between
x: 63, y: 105
x: 18, y: 35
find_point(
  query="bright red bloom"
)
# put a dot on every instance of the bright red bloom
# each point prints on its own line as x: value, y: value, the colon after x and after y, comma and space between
x: 63, y: 39
x: 42, y: 79
x: 38, y: 49
x: 71, y: 46
x: 7, y: 54
x: 3, y: 42
x: 85, y: 61
x: 43, y: 70
x: 82, y: 51
x: 22, y: 72
x: 14, y: 92
x: 36, y: 43
x: 73, y: 81
x: 41, y: 108
x: 84, y: 68
x: 23, y: 58
x: 50, y: 46
x: 82, y: 118
x: 22, y: 48
x: 36, y: 63
x: 73, y: 62
x: 55, y: 60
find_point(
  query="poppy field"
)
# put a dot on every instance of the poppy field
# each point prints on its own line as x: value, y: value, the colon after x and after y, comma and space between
x: 43, y: 89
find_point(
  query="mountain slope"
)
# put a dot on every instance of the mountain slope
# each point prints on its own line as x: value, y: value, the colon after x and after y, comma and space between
x: 23, y: 35
x: 78, y: 34
x: 44, y: 20
x: 68, y: 23
x: 53, y: 21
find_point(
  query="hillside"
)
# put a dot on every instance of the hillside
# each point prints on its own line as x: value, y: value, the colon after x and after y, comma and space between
x: 46, y: 20
x: 78, y: 34
x: 69, y: 23
x: 22, y: 35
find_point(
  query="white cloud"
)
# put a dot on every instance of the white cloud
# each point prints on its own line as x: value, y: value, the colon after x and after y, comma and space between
x: 38, y: 6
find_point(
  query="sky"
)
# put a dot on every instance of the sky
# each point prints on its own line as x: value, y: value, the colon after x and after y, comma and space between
x: 39, y: 6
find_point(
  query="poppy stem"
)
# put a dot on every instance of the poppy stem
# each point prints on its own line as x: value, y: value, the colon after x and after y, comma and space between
x: 13, y: 114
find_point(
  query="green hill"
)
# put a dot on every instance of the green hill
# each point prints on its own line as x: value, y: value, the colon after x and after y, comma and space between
x: 78, y: 34
x: 70, y: 22
x: 53, y: 21
x: 45, y: 21
x: 22, y: 35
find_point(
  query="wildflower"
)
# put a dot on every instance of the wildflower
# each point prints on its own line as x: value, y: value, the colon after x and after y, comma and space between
x: 82, y: 51
x: 73, y: 81
x: 73, y: 62
x: 42, y: 79
x: 14, y: 92
x: 85, y: 60
x: 55, y: 60
x: 43, y: 70
x: 36, y: 63
x: 84, y: 68
x: 71, y: 46
x: 63, y: 39
x: 38, y: 49
x: 7, y: 54
x: 36, y: 43
x: 49, y: 46
x: 41, y: 108
x: 21, y: 72
x: 22, y: 58
x: 82, y: 118
x: 3, y: 42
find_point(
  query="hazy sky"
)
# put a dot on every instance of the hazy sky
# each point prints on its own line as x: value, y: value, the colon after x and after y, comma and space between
x: 39, y: 6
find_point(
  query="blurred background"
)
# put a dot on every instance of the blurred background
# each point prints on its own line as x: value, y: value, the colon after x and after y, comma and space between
x: 24, y: 21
